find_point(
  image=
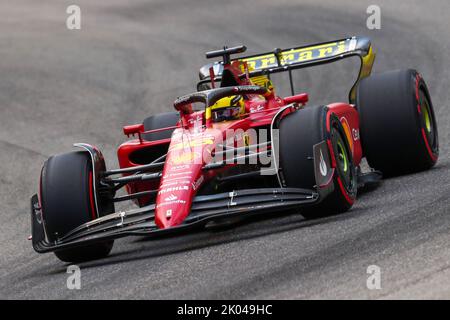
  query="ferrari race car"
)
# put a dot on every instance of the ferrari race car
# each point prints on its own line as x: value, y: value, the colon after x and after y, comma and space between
x: 234, y: 149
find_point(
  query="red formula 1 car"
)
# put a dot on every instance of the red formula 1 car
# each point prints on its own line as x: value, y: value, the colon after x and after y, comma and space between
x: 235, y: 148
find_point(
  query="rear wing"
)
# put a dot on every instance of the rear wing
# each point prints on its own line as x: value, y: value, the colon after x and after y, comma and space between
x: 305, y: 56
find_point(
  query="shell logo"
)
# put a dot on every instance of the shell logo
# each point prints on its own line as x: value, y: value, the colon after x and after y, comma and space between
x: 193, y: 143
x: 186, y: 158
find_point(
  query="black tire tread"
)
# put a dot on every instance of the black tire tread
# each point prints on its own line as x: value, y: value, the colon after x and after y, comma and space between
x: 299, y: 132
x: 66, y: 204
x: 390, y: 124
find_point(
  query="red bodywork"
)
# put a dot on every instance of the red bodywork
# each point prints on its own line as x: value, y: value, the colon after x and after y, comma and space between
x: 195, y: 138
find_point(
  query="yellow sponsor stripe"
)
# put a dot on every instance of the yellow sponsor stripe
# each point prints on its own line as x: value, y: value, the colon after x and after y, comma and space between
x: 299, y: 55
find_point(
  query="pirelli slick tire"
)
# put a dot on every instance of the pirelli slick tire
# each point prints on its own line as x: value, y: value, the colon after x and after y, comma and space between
x: 399, y: 134
x: 299, y: 132
x: 68, y: 201
x: 158, y: 121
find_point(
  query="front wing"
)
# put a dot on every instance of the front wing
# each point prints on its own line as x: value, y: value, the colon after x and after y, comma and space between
x: 140, y: 222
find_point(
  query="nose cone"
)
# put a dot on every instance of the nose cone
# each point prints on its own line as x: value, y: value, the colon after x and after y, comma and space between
x: 176, y: 191
x: 174, y: 201
x: 181, y: 177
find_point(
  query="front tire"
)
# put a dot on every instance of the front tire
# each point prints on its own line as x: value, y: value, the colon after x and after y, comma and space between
x: 68, y: 201
x: 398, y: 127
x: 299, y: 132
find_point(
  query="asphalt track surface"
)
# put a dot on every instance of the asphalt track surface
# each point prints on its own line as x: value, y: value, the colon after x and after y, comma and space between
x: 132, y: 59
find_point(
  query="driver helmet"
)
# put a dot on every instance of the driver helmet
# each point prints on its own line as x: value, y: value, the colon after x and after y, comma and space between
x: 228, y: 108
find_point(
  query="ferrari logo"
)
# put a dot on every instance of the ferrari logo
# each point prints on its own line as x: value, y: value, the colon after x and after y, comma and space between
x: 298, y: 55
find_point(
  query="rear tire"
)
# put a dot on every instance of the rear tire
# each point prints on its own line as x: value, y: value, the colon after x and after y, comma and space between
x: 158, y: 121
x: 398, y: 127
x: 67, y: 202
x: 299, y: 132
